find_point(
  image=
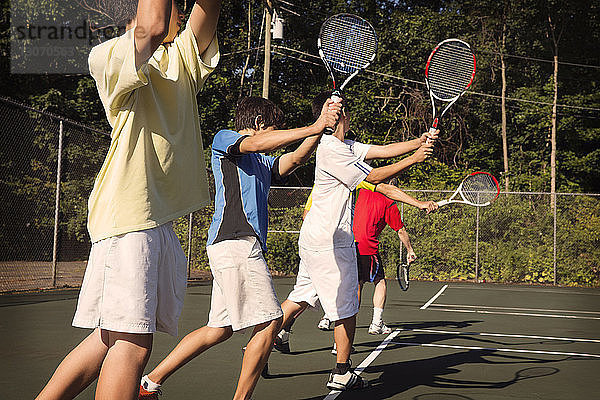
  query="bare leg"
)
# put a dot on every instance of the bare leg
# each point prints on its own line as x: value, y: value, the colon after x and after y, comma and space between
x: 379, y: 294
x: 255, y: 357
x: 344, y: 337
x: 291, y: 310
x: 123, y: 365
x: 77, y: 370
x: 193, y: 344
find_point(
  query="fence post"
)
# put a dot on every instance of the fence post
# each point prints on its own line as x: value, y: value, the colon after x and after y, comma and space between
x: 57, y: 204
x: 554, y: 234
x: 477, y: 245
x: 189, y: 249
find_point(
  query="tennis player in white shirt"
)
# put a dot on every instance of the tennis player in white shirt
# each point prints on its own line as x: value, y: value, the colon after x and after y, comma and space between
x: 327, y: 271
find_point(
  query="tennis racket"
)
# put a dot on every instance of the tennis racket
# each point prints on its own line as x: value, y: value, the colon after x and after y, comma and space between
x: 478, y: 189
x: 449, y: 72
x: 347, y: 45
x: 403, y: 275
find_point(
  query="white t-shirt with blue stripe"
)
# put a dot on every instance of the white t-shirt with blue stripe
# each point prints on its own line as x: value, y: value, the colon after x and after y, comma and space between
x: 340, y: 167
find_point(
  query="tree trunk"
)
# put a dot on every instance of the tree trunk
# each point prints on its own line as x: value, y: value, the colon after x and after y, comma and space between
x: 553, y: 136
x: 504, y: 139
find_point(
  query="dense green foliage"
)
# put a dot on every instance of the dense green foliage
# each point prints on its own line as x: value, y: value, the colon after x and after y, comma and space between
x: 515, y: 241
x: 388, y: 104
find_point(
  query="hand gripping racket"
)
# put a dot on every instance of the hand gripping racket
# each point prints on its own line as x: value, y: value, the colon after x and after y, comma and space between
x: 347, y: 45
x: 478, y: 189
x: 403, y: 275
x: 449, y: 72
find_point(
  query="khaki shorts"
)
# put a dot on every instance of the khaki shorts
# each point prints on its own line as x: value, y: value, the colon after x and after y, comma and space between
x: 329, y: 278
x: 134, y: 283
x: 242, y: 294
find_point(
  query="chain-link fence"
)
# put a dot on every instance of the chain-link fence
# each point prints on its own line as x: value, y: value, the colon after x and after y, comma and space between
x: 44, y: 241
x: 520, y: 238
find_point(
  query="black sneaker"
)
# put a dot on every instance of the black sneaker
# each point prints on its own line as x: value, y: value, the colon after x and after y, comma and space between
x: 282, y: 343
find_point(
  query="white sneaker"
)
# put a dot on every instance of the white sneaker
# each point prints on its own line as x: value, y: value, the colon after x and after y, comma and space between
x: 347, y: 381
x: 334, y: 350
x: 379, y: 329
x: 325, y: 324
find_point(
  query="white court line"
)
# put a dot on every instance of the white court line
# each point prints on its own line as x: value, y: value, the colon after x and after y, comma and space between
x: 515, y: 308
x: 503, y: 335
x: 431, y: 300
x: 366, y: 362
x: 526, y: 289
x: 515, y: 313
x: 447, y: 346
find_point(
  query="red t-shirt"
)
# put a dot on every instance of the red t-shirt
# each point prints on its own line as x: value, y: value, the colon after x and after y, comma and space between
x: 371, y: 213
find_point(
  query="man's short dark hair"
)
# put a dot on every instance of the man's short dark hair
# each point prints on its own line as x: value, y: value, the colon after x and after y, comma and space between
x: 249, y: 108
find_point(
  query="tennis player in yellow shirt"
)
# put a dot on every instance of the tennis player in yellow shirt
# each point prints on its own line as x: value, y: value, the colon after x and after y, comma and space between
x: 154, y: 172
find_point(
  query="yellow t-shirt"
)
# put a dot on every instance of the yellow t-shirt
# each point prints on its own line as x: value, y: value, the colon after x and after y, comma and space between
x: 154, y: 171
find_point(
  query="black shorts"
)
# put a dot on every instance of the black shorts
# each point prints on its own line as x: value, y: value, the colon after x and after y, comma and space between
x: 370, y: 268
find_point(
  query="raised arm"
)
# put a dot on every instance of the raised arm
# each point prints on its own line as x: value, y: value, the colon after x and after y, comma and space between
x: 378, y: 175
x: 152, y: 26
x: 290, y: 161
x: 272, y: 140
x: 396, y: 194
x: 399, y: 148
x: 203, y: 21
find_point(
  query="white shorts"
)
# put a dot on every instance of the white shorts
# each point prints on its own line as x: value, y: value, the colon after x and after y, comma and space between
x: 242, y: 294
x: 329, y: 277
x: 134, y: 283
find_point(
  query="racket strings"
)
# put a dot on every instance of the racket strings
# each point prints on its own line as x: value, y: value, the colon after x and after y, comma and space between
x: 480, y: 188
x: 348, y: 43
x: 450, y: 70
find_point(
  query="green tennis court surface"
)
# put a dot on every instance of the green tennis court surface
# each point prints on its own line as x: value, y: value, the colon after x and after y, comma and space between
x: 451, y: 341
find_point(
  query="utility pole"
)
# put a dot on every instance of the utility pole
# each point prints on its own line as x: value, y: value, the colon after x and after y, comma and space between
x: 267, y: 63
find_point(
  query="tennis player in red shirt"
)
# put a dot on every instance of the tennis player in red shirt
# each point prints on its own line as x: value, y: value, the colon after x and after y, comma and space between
x: 372, y: 212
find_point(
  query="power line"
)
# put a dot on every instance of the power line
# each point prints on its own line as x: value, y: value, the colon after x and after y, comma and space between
x: 232, y: 53
x: 522, y: 57
x: 430, y: 41
x: 549, y: 61
x: 423, y: 83
x: 313, y: 11
x: 296, y: 58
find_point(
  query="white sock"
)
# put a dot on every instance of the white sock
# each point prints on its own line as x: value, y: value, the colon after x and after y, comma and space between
x: 149, y: 385
x: 377, y: 315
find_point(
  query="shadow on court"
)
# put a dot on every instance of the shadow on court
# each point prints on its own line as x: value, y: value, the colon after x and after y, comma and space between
x: 396, y: 378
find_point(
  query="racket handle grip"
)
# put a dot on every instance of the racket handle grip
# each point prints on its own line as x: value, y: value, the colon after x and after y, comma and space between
x: 442, y: 203
x: 336, y: 97
x: 432, y: 131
